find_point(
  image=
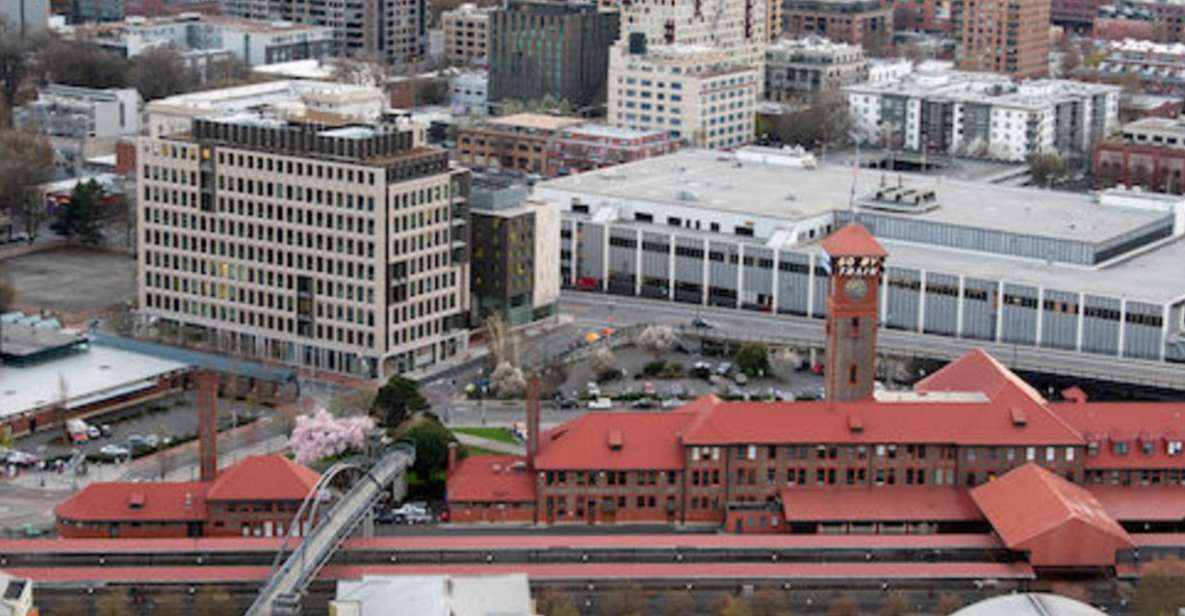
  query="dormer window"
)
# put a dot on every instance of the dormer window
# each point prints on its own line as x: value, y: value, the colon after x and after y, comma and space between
x: 1120, y: 448
x: 1173, y: 448
x: 1148, y: 447
x: 1092, y: 448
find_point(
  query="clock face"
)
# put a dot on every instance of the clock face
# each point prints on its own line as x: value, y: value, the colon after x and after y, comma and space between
x: 855, y: 288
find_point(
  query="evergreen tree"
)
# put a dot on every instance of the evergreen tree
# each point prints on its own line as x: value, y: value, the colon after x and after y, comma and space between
x: 79, y: 219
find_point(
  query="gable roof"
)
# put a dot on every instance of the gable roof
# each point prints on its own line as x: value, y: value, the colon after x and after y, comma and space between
x: 853, y: 240
x: 267, y: 477
x: 1030, y: 502
x: 136, y: 501
x: 616, y: 441
x: 1134, y: 423
x: 976, y: 370
x: 491, y: 478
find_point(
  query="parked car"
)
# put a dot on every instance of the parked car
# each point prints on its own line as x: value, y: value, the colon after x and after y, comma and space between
x: 114, y: 452
x: 701, y: 323
x: 20, y: 458
x: 643, y: 403
x: 594, y: 390
x: 412, y: 513
x: 600, y: 404
x: 741, y: 378
x: 724, y: 368
x: 671, y: 403
x: 105, y: 430
x: 152, y: 441
x: 701, y: 369
x: 93, y: 432
x: 566, y: 403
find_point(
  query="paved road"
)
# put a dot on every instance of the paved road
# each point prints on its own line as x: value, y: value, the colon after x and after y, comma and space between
x: 802, y: 331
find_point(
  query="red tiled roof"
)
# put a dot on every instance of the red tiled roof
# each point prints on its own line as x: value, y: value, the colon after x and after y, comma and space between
x: 616, y: 441
x: 1132, y: 422
x: 963, y: 423
x: 978, y: 371
x: 269, y: 477
x: 853, y: 240
x: 1148, y: 503
x: 873, y: 504
x: 491, y: 479
x: 1028, y: 505
x: 106, y: 502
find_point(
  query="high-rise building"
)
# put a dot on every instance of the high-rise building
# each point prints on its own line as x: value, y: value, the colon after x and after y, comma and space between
x: 337, y: 246
x: 542, y: 48
x: 394, y: 30
x: 729, y: 24
x: 1003, y: 36
x: 466, y: 31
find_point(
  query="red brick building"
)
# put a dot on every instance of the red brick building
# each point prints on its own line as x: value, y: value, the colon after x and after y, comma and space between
x: 258, y: 497
x: 866, y: 23
x: 1149, y: 153
x: 595, y: 146
x: 859, y: 461
x: 1002, y: 36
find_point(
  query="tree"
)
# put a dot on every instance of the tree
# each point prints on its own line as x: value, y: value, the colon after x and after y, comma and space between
x: 734, y: 606
x: 630, y: 600
x: 556, y: 603
x: 160, y: 72
x: 83, y: 64
x: 753, y: 358
x: 948, y: 603
x: 432, y: 91
x: 602, y: 359
x: 677, y: 603
x: 1046, y: 168
x: 14, y: 69
x: 321, y: 435
x: 658, y: 340
x: 354, y: 403
x: 1131, y: 83
x: 1071, y: 60
x: 502, y: 343
x: 769, y: 601
x: 508, y: 381
x: 1161, y: 589
x: 79, y: 219
x: 843, y: 605
x: 113, y: 603
x: 27, y: 163
x: 431, y: 440
x: 213, y: 601
x: 362, y: 71
x: 397, y: 400
x: 228, y: 73
x: 896, y: 603
x: 825, y: 123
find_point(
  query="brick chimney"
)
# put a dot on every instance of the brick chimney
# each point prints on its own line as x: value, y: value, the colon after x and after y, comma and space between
x: 207, y: 408
x: 533, y: 412
x: 452, y: 457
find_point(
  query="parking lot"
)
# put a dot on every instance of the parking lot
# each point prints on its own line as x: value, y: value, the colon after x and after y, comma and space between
x: 69, y: 280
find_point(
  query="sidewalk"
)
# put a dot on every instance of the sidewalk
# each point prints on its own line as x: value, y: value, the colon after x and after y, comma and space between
x: 485, y: 443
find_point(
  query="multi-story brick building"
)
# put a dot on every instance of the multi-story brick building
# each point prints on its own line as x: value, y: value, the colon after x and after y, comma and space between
x: 336, y: 246
x: 596, y: 146
x: 258, y: 497
x: 922, y: 16
x: 466, y: 31
x: 776, y: 466
x: 800, y: 69
x: 1149, y: 153
x: 543, y: 48
x: 518, y: 142
x: 1002, y: 36
x: 863, y: 23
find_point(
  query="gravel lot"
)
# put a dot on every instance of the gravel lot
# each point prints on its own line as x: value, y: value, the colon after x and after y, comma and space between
x: 72, y: 279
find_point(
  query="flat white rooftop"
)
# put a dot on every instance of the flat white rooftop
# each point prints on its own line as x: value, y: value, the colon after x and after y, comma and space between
x: 88, y: 376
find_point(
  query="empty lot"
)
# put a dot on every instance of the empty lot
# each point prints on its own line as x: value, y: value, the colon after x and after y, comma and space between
x: 68, y: 280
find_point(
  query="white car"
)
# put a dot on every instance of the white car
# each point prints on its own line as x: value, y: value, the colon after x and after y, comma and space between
x: 93, y: 432
x: 115, y: 452
x: 601, y: 404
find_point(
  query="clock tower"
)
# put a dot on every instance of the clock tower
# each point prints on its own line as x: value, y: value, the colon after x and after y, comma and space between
x: 856, y: 261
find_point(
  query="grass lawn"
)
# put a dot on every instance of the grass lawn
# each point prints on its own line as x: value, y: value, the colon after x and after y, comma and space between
x: 502, y: 435
x: 481, y: 451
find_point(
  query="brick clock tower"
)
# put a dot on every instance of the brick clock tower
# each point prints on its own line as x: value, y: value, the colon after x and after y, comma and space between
x: 856, y: 261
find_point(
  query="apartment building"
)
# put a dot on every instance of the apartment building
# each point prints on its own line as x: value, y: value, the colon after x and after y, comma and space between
x: 333, y: 245
x: 596, y: 146
x: 864, y: 23
x: 395, y: 30
x: 740, y: 25
x: 466, y: 31
x: 699, y: 94
x: 545, y: 48
x: 1159, y: 68
x: 799, y: 69
x: 254, y: 42
x: 1002, y: 36
x: 984, y: 115
x: 519, y: 142
x: 1148, y: 153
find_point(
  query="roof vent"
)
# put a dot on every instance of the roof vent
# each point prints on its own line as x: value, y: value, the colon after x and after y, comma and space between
x: 855, y: 423
x: 615, y: 440
x: 136, y: 500
x: 1018, y: 417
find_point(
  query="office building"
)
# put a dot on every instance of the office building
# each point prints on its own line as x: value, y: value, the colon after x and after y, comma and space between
x: 983, y: 115
x: 297, y: 97
x: 1002, y: 36
x: 1083, y: 273
x: 24, y: 17
x: 254, y: 42
x: 519, y: 142
x: 1148, y: 153
x: 466, y: 31
x: 801, y: 69
x: 394, y: 30
x: 545, y: 48
x: 82, y: 113
x: 863, y: 23
x: 699, y: 94
x: 596, y: 146
x: 311, y: 241
x: 516, y: 242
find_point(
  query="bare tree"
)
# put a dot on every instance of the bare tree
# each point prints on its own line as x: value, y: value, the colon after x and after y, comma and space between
x: 734, y: 606
x: 896, y: 603
x: 677, y: 603
x: 213, y: 601
x: 83, y: 64
x: 362, y: 71
x: 602, y: 359
x: 14, y: 69
x: 948, y: 603
x: 769, y: 601
x: 503, y: 343
x: 824, y: 123
x: 113, y: 603
x: 1046, y: 168
x: 630, y: 600
x: 658, y: 340
x: 508, y: 380
x: 844, y: 605
x: 160, y: 72
x: 1162, y: 587
x: 27, y: 162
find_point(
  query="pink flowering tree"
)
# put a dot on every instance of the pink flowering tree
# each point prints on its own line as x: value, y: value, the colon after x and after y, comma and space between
x: 321, y: 435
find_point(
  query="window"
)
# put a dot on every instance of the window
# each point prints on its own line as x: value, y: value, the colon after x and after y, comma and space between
x: 1173, y: 448
x: 1030, y: 454
x: 1050, y: 454
x: 1120, y: 448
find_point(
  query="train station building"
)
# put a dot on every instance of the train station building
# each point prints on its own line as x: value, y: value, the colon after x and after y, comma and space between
x: 970, y: 449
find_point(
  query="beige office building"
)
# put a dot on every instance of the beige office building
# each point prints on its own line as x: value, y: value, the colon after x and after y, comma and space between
x: 698, y: 94
x: 333, y: 246
x: 466, y: 31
